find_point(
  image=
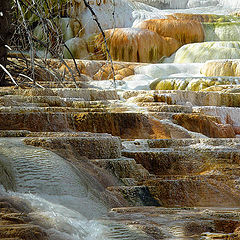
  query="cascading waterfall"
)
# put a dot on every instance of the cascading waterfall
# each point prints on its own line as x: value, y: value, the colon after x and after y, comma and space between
x: 39, y: 171
x: 57, y: 192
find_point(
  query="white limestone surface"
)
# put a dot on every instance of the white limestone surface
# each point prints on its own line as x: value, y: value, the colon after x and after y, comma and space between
x: 170, y: 70
x: 201, y: 52
x: 112, y: 14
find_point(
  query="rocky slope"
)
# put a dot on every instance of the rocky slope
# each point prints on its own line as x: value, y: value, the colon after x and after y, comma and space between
x: 155, y: 149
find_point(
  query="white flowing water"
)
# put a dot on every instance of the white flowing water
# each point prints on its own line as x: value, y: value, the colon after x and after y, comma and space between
x: 39, y: 171
x: 60, y: 195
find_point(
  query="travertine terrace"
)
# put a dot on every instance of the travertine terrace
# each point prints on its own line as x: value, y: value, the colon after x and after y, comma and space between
x: 149, y: 151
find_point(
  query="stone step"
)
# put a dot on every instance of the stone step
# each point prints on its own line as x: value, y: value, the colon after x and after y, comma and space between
x: 87, y: 94
x: 10, y: 238
x: 197, y: 98
x: 14, y: 133
x: 135, y: 195
x: 22, y: 231
x: 198, y: 192
x: 180, y: 193
x: 182, y: 143
x: 182, y: 222
x: 32, y: 108
x: 17, y: 100
x: 124, y: 168
x: 50, y: 101
x: 90, y: 145
x: 193, y: 177
x: 183, y: 162
x: 77, y: 93
x: 159, y: 107
x: 125, y: 125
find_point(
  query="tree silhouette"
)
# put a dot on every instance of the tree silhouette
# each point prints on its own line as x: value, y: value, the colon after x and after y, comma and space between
x: 5, y: 34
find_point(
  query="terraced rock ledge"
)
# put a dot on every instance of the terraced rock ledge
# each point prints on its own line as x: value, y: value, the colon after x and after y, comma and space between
x: 154, y: 160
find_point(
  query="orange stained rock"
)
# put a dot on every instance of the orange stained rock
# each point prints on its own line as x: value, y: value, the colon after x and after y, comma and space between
x: 119, y: 77
x: 125, y: 125
x: 103, y: 74
x: 131, y: 45
x: 171, y: 45
x: 159, y: 131
x: 185, y: 31
x: 121, y: 71
x: 126, y: 72
x: 207, y: 125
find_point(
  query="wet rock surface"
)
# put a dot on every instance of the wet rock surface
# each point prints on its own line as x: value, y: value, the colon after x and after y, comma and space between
x: 182, y: 223
x: 16, y: 223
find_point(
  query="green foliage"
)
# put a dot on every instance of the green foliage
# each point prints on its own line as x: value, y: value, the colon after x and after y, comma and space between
x: 47, y: 9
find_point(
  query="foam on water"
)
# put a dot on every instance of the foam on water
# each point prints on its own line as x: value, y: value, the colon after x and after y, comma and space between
x: 166, y: 3
x: 145, y: 75
x: 202, y: 3
x: 62, y: 223
x: 134, y: 82
x: 220, y: 7
x: 61, y: 197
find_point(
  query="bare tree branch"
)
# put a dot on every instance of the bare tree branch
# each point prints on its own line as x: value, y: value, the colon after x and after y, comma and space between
x: 95, y: 18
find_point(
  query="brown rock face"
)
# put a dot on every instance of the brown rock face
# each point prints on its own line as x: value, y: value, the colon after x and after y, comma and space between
x: 34, y: 122
x: 192, y: 192
x: 22, y: 232
x: 91, y: 145
x: 184, y: 31
x: 207, y: 125
x: 125, y: 125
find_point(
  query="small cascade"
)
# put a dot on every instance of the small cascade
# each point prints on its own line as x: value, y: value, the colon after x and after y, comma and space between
x: 41, y: 172
x: 61, y: 197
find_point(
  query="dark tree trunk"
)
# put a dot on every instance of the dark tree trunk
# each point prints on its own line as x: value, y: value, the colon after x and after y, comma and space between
x: 5, y: 34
